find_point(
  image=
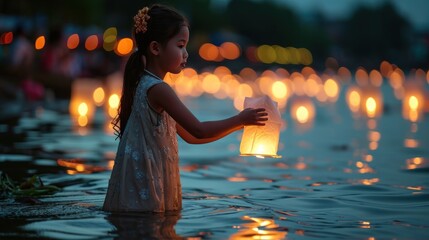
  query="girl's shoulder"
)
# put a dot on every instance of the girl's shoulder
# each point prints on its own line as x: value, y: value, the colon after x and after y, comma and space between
x: 148, y: 80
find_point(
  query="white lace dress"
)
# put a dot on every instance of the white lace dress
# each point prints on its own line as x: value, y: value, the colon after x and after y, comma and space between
x: 146, y: 175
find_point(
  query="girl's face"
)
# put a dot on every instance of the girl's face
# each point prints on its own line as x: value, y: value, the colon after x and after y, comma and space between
x: 174, y: 54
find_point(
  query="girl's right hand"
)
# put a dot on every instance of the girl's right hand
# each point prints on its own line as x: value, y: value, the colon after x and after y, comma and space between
x: 253, y: 116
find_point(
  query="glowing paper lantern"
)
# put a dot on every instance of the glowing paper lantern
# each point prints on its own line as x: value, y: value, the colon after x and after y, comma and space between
x: 262, y: 141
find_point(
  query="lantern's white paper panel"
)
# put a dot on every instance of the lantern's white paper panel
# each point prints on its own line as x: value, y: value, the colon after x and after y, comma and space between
x: 262, y: 141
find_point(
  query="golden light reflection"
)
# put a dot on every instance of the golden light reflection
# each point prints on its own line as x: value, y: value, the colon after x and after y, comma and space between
x: 365, y: 224
x: 238, y: 177
x: 76, y: 166
x: 363, y: 167
x: 370, y: 181
x: 259, y: 228
x: 411, y: 143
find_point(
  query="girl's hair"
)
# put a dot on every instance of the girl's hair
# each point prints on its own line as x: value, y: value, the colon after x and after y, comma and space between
x: 163, y: 23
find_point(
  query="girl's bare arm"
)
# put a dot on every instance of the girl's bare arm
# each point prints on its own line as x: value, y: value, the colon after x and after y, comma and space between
x: 163, y: 97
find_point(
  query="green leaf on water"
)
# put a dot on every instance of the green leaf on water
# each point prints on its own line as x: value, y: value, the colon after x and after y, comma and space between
x: 31, y: 187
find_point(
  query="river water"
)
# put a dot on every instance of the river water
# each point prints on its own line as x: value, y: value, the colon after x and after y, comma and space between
x: 340, y: 178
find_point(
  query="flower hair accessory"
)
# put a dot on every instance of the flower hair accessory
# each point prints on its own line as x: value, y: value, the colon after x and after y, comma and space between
x: 140, y: 20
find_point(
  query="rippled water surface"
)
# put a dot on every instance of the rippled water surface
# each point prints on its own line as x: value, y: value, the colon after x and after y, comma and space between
x: 341, y: 178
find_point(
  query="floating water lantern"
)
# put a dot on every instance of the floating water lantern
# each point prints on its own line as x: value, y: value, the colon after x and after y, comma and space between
x: 353, y: 99
x: 303, y: 110
x: 82, y: 106
x: 372, y: 102
x: 262, y: 141
x: 413, y: 103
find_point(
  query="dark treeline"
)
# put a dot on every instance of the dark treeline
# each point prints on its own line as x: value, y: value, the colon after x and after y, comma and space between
x: 365, y: 38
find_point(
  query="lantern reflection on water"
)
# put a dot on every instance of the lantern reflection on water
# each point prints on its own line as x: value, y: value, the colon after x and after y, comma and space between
x: 262, y: 141
x: 259, y: 228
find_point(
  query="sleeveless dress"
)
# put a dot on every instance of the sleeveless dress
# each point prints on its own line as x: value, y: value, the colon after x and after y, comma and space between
x: 145, y: 177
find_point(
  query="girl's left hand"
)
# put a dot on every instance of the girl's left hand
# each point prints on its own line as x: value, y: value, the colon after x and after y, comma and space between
x: 253, y: 116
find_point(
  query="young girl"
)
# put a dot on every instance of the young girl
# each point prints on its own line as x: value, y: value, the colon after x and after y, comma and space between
x: 146, y: 176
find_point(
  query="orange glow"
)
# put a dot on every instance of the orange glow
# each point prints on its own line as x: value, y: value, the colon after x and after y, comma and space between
x: 417, y: 162
x: 82, y: 109
x: 386, y: 68
x: 79, y: 166
x: 82, y: 120
x: 374, y: 136
x: 307, y: 71
x: 373, y: 146
x: 371, y: 124
x: 369, y: 182
x: 413, y: 102
x: 371, y: 107
x: 248, y: 74
x: 229, y: 50
x: 98, y: 96
x: 303, y: 110
x: 73, y: 41
x: 125, y: 46
x: 211, y: 83
x: 210, y: 52
x: 302, y: 114
x: 221, y: 71
x: 279, y: 89
x: 91, y: 43
x: 344, y: 74
x: 331, y: 89
x: 265, y: 84
x: 313, y: 85
x: 375, y: 78
x: 258, y: 228
x: 411, y: 143
x: 396, y: 79
x: 353, y: 99
x: 114, y: 101
x: 362, y: 78
x: 40, y: 43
